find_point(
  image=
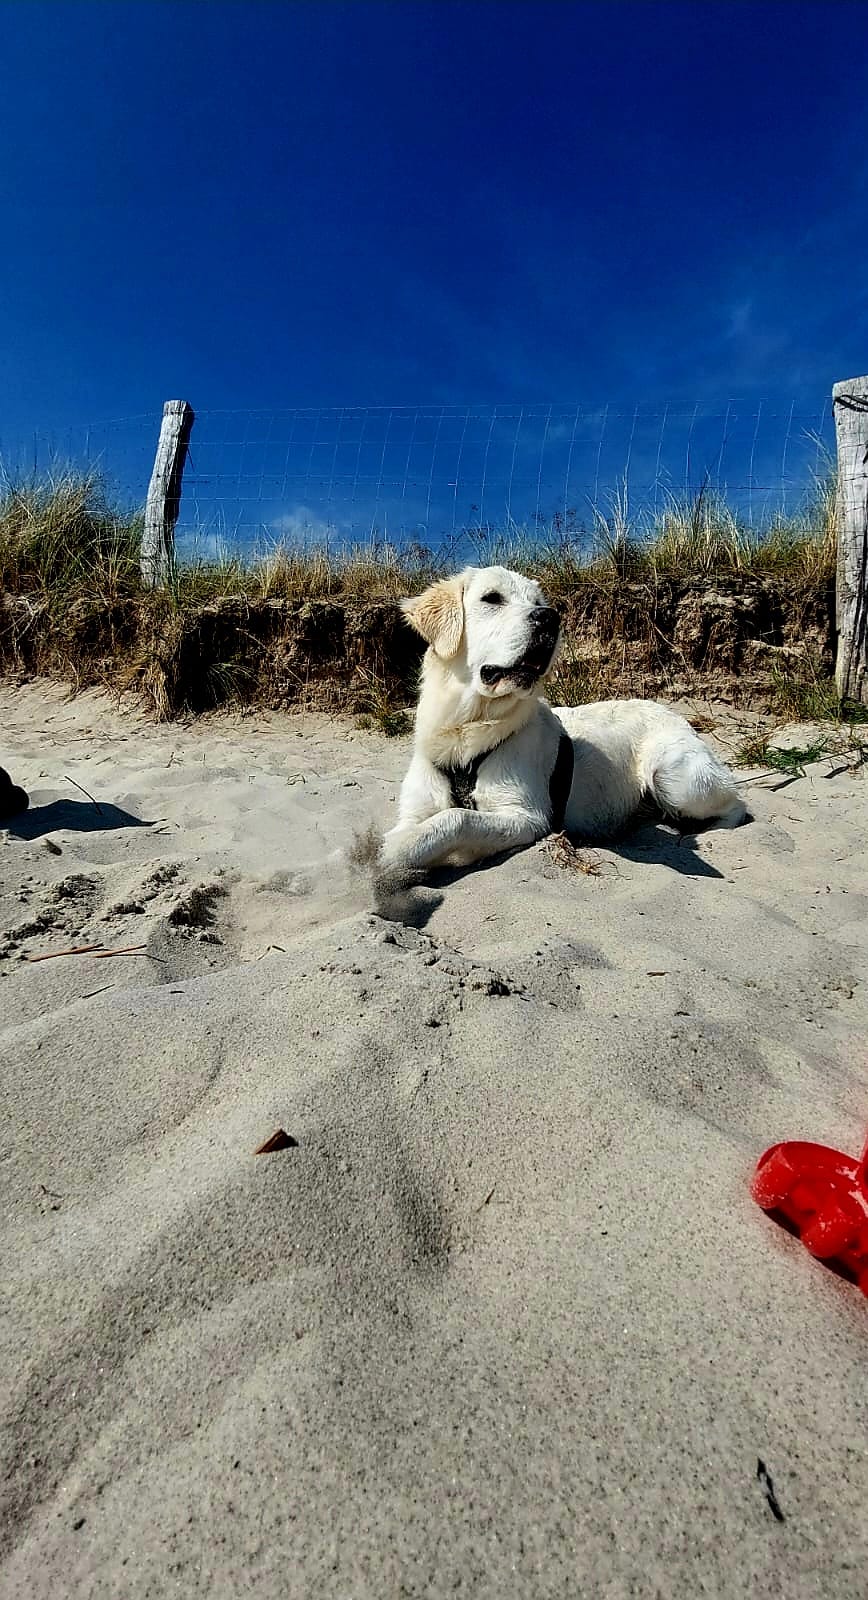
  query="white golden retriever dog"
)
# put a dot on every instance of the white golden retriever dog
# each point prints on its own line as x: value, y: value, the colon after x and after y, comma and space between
x: 496, y: 767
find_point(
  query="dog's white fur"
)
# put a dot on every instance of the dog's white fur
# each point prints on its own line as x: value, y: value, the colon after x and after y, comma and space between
x: 624, y: 750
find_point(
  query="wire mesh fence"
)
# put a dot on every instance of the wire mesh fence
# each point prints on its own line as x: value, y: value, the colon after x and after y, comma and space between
x: 437, y: 476
x: 120, y: 452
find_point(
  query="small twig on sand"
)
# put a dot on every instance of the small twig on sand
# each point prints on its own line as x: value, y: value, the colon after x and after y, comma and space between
x: 95, y: 950
x: 127, y: 950
x: 77, y: 950
x: 564, y: 853
x: 84, y: 791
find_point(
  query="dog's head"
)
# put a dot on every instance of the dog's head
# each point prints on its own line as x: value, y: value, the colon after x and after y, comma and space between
x: 493, y: 626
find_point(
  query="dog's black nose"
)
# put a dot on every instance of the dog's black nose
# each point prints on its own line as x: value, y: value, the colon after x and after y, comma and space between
x: 545, y: 617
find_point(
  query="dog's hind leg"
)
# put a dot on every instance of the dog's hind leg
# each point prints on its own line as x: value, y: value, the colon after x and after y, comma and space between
x: 687, y: 780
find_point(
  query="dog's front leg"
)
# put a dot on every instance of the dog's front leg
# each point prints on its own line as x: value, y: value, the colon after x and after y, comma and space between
x: 460, y: 836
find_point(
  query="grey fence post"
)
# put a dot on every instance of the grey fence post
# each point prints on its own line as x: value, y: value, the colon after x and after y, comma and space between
x: 850, y: 405
x: 164, y: 494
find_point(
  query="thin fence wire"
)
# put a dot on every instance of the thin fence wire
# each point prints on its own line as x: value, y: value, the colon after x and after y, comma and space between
x: 435, y: 476
x: 120, y: 452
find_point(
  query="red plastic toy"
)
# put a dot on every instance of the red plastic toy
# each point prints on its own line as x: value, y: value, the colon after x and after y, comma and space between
x: 825, y: 1194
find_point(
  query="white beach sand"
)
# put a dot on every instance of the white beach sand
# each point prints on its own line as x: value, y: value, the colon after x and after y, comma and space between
x: 504, y: 1321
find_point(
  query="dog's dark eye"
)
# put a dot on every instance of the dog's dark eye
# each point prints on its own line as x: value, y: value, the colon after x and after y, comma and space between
x: 492, y: 598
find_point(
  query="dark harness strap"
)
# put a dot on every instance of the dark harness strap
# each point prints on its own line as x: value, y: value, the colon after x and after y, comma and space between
x: 561, y: 782
x: 462, y: 781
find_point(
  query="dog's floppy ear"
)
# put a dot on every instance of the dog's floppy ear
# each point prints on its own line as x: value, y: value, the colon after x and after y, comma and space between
x: 438, y: 614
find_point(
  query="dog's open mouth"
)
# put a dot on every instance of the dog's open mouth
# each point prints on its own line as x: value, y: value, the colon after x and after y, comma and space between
x: 524, y: 673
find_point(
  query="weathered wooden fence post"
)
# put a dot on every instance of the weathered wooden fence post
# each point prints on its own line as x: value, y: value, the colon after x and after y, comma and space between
x: 164, y: 494
x: 850, y: 405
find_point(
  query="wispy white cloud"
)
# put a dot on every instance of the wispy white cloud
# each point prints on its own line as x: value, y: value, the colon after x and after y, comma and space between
x: 302, y: 525
x: 200, y: 544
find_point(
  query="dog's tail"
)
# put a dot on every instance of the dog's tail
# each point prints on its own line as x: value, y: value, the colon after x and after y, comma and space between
x: 690, y: 782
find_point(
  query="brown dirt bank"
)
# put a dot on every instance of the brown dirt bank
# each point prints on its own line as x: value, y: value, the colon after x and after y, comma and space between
x: 735, y: 635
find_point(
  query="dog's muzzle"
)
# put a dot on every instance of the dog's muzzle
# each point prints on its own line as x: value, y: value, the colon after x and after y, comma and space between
x: 536, y: 659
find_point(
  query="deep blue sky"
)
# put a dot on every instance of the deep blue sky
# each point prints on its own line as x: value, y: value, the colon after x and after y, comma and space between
x: 320, y: 203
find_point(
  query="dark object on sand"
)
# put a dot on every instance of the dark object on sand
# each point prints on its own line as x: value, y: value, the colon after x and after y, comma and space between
x: 767, y: 1485
x: 281, y: 1140
x: 13, y: 799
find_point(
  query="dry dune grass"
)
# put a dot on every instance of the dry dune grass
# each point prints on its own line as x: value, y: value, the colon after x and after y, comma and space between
x: 314, y: 626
